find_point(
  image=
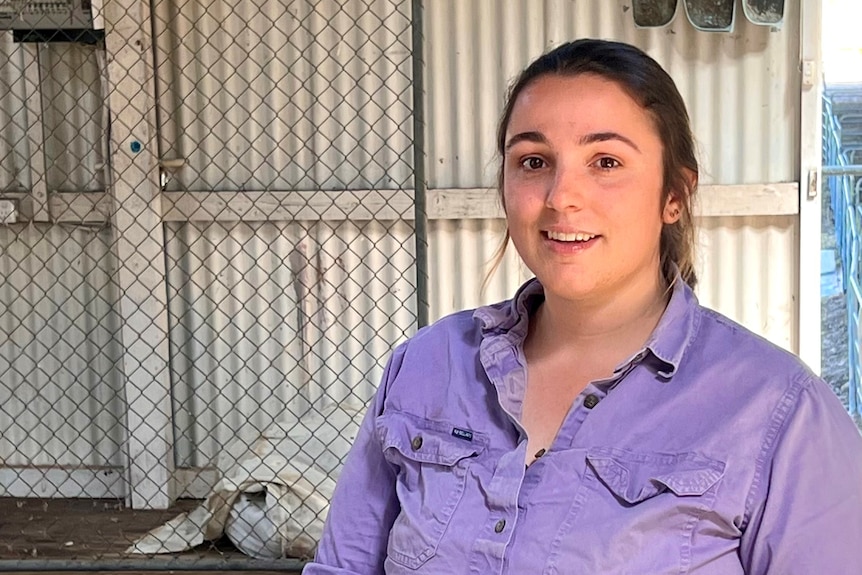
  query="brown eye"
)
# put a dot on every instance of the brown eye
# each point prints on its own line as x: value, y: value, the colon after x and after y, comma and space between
x: 533, y: 163
x: 607, y: 163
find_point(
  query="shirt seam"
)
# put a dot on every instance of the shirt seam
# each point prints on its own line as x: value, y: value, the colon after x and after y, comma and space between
x: 780, y: 416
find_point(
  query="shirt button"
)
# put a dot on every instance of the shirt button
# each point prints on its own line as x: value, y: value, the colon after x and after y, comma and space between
x: 591, y: 401
x: 416, y: 444
x: 501, y: 524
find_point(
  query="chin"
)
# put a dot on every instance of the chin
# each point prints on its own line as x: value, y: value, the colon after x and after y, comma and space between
x: 571, y: 289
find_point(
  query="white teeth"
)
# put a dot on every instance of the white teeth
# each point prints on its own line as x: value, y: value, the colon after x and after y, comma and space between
x: 576, y: 237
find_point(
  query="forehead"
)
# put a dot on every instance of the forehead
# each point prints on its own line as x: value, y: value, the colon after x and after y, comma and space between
x: 585, y: 103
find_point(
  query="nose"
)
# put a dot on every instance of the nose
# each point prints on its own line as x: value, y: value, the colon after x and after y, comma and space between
x: 566, y: 191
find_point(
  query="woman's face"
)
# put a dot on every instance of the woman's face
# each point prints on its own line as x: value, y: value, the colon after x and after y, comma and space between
x: 582, y: 185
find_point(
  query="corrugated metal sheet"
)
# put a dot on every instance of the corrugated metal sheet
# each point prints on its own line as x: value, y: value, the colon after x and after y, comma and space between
x: 741, y: 88
x: 72, y: 116
x: 460, y: 256
x: 268, y: 317
x: 748, y: 269
x: 732, y: 256
x: 59, y: 348
x: 14, y: 152
x: 285, y: 95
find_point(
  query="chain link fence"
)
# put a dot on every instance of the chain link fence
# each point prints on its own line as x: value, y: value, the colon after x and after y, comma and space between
x: 208, y: 246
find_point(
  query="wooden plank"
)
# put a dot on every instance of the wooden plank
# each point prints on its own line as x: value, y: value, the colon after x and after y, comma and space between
x: 359, y: 205
x: 780, y: 199
x: 81, y: 207
x: 808, y: 331
x: 355, y: 205
x: 61, y: 482
x: 137, y: 223
x: 712, y: 201
x: 35, y: 132
x: 464, y: 204
x: 94, y: 482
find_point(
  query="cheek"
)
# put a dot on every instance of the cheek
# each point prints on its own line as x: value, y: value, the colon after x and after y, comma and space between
x: 516, y: 204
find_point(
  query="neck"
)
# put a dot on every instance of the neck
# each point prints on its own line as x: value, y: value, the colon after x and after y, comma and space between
x: 622, y: 322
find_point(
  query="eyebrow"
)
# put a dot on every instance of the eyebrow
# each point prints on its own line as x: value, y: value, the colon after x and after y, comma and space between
x: 606, y: 136
x: 539, y: 138
x: 535, y: 137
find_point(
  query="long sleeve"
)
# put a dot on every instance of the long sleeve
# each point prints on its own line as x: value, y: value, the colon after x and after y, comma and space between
x: 807, y: 500
x: 364, y: 505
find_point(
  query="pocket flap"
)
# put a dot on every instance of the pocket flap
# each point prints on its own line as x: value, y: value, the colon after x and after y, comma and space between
x: 426, y: 440
x: 637, y: 476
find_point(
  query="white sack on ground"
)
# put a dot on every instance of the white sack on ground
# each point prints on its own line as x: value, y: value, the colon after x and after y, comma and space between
x: 272, y: 497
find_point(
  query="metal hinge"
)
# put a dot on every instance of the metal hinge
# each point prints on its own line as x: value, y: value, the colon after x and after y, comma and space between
x: 809, y: 73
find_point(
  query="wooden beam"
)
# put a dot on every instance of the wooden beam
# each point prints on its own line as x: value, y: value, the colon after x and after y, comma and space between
x: 443, y: 204
x: 80, y: 208
x: 747, y: 200
x: 93, y: 482
x: 712, y: 201
x: 356, y: 205
x: 62, y: 482
x: 139, y: 247
x: 807, y: 332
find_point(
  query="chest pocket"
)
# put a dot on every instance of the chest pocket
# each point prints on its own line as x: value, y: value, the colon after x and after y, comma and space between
x: 634, y: 477
x: 640, y: 512
x: 432, y: 472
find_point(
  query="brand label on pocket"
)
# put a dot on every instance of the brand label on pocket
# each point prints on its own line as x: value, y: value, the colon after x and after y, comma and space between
x: 462, y: 434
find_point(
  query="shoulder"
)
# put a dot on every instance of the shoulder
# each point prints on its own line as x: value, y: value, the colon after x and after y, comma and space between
x: 438, y: 365
x: 765, y: 383
x: 454, y: 335
x: 722, y: 342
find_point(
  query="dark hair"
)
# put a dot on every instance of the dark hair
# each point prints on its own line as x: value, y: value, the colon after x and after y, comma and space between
x: 654, y: 90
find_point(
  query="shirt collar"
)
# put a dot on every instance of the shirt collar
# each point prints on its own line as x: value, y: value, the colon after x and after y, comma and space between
x: 676, y: 329
x: 668, y: 342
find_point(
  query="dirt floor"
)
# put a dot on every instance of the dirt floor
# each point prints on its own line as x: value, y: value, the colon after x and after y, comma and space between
x: 88, y: 529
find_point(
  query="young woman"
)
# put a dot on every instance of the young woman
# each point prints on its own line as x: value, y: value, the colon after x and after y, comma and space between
x: 601, y: 421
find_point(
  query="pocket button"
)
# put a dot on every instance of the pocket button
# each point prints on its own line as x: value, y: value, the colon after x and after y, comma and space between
x: 416, y: 443
x: 501, y: 524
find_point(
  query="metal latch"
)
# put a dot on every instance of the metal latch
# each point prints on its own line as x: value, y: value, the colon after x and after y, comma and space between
x: 812, y: 184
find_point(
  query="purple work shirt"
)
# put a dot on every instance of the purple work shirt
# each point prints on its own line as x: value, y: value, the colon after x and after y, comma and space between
x: 711, y: 452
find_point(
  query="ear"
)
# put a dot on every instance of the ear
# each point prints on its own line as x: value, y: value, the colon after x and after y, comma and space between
x: 672, y: 209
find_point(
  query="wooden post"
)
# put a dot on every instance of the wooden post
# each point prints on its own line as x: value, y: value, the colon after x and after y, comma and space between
x: 140, y: 252
x: 811, y: 134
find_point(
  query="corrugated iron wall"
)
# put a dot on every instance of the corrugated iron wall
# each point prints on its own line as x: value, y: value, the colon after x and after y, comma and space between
x: 268, y: 316
x: 14, y: 152
x: 740, y: 89
x: 285, y: 95
x: 73, y: 116
x: 742, y: 93
x: 59, y: 348
x: 59, y: 340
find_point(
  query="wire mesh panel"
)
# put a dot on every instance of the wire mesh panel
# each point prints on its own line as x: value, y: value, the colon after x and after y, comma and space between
x: 207, y: 252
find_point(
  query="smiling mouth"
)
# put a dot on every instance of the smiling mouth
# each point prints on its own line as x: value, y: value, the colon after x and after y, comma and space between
x: 569, y: 237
